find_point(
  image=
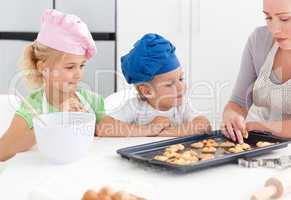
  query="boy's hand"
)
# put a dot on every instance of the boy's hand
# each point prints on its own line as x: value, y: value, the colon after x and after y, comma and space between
x: 200, y: 124
x: 170, y: 132
x: 158, y: 124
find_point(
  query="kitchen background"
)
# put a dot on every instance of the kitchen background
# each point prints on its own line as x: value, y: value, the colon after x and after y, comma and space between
x: 209, y: 36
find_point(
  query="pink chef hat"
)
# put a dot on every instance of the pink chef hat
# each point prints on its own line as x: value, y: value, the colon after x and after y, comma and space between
x: 67, y: 33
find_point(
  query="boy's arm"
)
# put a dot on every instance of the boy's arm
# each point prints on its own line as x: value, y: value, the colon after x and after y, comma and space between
x: 197, y: 125
x: 110, y: 127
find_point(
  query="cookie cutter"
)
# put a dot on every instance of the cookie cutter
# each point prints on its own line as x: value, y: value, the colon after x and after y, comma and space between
x: 280, y: 162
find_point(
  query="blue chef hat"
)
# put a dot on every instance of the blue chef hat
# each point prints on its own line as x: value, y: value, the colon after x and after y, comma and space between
x: 152, y: 55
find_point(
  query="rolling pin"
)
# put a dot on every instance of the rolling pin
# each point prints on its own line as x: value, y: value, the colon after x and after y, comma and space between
x: 275, y: 187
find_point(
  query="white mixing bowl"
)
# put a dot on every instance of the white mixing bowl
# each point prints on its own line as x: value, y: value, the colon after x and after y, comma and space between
x: 67, y: 136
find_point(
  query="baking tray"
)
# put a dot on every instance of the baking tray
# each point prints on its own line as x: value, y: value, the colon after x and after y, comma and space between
x: 145, y: 153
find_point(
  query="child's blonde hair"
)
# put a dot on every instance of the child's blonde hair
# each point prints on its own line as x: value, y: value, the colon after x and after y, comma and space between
x: 34, y: 56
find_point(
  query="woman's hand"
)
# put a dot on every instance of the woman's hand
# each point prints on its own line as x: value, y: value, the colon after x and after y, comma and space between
x: 233, y: 125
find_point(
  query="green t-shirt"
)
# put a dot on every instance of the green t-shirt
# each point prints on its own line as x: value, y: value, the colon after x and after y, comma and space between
x: 95, y: 101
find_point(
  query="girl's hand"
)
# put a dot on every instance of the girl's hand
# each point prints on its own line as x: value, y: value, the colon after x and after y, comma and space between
x: 72, y: 105
x: 233, y: 126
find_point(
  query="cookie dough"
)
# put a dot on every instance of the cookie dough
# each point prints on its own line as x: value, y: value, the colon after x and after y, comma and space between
x: 175, y: 148
x: 236, y: 149
x: 263, y: 144
x: 206, y: 156
x: 244, y: 146
x: 211, y: 143
x: 209, y: 150
x: 189, y: 154
x: 161, y: 158
x: 227, y: 144
x: 245, y: 134
x: 197, y: 145
x: 171, y: 154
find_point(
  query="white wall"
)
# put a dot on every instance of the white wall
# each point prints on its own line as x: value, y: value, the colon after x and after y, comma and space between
x: 216, y: 50
x: 169, y: 18
x: 209, y: 36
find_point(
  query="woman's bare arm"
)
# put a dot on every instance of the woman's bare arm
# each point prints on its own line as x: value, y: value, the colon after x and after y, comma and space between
x: 278, y: 128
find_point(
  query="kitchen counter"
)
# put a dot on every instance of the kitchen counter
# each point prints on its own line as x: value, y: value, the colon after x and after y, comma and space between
x: 29, y: 171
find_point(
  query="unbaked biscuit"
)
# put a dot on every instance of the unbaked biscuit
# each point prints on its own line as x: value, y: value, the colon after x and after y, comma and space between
x: 263, y: 144
x: 161, y: 158
x: 175, y: 148
x: 236, y: 149
x: 227, y: 144
x: 197, y: 145
x: 179, y: 161
x: 209, y: 150
x: 171, y: 154
x: 189, y: 154
x: 245, y: 134
x: 206, y: 156
x: 244, y: 146
x: 211, y: 144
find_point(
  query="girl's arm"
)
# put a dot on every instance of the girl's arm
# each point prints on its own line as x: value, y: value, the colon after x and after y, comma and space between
x: 18, y: 138
x: 110, y: 127
x: 278, y: 128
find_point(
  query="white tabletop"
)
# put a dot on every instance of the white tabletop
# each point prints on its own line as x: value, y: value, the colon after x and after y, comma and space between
x: 28, y: 171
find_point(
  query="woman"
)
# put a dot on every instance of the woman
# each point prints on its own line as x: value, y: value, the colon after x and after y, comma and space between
x: 261, y: 98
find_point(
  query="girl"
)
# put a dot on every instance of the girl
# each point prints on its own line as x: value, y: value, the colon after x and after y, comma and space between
x: 54, y: 64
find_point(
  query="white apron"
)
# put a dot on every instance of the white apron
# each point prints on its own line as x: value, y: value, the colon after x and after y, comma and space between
x: 271, y: 102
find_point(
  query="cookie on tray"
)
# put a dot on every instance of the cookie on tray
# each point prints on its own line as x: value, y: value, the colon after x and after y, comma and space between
x: 227, y: 144
x: 197, y: 145
x: 206, y: 156
x: 175, y: 148
x: 263, y: 144
x: 161, y: 158
x: 236, y: 149
x: 189, y: 154
x: 209, y: 150
x: 211, y: 143
x: 171, y: 154
x: 244, y: 146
